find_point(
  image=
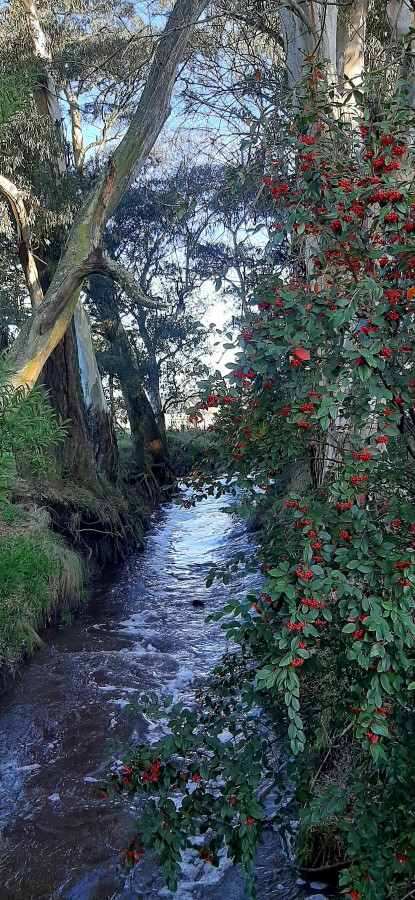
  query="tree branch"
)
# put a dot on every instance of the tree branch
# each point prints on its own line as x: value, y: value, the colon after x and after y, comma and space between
x: 122, y: 276
x: 24, y: 238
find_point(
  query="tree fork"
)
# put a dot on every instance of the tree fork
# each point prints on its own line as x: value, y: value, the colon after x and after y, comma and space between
x: 48, y: 324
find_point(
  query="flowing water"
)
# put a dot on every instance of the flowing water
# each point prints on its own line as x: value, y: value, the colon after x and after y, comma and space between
x: 59, y: 838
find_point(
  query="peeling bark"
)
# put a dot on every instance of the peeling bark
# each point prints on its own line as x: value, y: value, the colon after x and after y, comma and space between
x: 100, y: 422
x: 46, y: 96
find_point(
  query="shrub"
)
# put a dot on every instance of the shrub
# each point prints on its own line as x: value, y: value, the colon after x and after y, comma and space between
x: 193, y: 449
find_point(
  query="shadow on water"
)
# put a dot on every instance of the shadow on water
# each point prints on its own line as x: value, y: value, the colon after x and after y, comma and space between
x: 141, y: 632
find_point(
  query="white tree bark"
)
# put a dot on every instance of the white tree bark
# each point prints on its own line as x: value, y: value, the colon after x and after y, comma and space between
x: 76, y: 129
x: 24, y: 239
x: 314, y: 31
x: 46, y: 97
x: 90, y: 377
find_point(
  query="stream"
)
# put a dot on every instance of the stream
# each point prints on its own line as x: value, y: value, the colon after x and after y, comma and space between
x: 140, y: 633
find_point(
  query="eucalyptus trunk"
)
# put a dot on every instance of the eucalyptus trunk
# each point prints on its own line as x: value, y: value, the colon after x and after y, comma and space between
x: 71, y: 373
x: 149, y: 445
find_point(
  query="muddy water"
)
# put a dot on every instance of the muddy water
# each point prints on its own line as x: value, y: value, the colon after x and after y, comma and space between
x: 59, y: 839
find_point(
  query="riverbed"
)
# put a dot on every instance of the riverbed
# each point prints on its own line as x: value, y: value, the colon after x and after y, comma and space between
x: 140, y: 632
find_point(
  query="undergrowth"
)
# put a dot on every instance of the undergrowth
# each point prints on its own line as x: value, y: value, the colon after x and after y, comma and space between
x: 192, y: 449
x: 38, y: 572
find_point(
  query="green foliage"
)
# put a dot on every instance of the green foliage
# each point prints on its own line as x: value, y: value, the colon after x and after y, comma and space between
x: 212, y: 765
x: 14, y: 93
x: 28, y: 427
x: 36, y: 569
x: 193, y: 449
x: 324, y: 375
x: 26, y: 571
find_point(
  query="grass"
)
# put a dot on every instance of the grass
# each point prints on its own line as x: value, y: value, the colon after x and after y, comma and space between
x: 40, y: 577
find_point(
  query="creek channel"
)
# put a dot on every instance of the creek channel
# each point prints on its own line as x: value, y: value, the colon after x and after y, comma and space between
x: 140, y: 633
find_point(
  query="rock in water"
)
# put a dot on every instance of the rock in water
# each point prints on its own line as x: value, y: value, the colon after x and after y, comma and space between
x: 197, y: 603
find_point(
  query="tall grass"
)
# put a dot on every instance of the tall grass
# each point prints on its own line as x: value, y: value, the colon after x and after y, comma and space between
x: 37, y: 574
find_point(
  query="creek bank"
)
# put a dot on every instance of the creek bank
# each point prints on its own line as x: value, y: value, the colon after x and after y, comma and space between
x: 41, y: 580
x: 194, y: 449
x: 54, y: 537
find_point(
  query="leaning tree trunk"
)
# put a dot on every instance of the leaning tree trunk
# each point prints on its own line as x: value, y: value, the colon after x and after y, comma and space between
x: 71, y: 373
x: 84, y: 409
x: 83, y: 253
x: 149, y: 447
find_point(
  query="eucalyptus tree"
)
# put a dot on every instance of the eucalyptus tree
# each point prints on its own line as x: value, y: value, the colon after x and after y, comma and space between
x: 45, y: 184
x: 181, y: 235
x: 116, y: 64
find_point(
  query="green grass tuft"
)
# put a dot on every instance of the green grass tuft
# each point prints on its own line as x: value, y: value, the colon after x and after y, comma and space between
x: 38, y: 573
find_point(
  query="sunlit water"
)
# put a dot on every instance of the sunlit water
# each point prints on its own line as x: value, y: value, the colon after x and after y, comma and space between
x: 60, y: 839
